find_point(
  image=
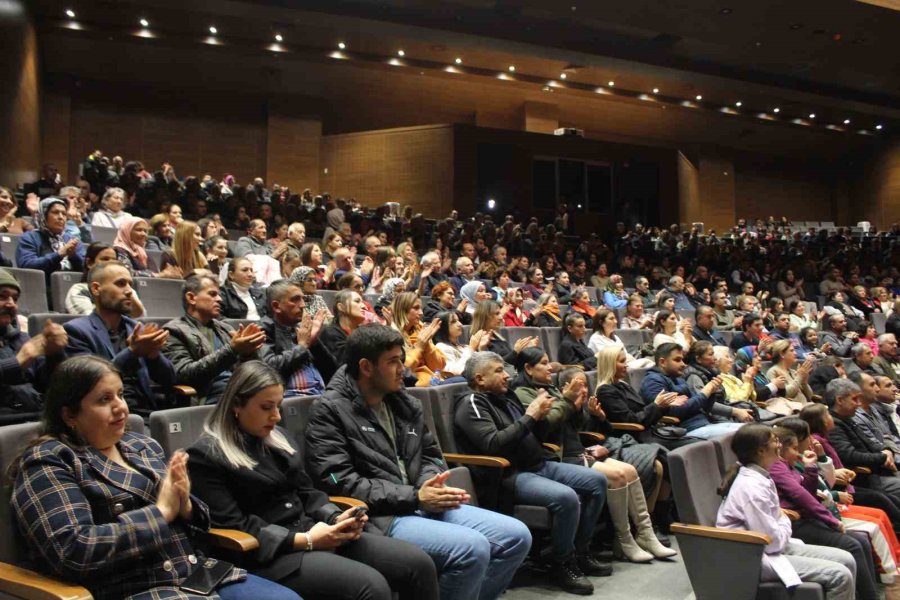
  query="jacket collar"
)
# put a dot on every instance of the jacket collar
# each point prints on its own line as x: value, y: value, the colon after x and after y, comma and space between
x: 138, y: 456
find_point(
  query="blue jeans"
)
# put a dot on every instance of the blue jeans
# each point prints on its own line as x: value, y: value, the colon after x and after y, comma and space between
x: 476, y: 551
x: 714, y: 430
x: 254, y: 588
x: 558, y: 486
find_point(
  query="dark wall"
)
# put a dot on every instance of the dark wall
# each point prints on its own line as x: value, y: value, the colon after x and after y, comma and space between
x: 19, y: 99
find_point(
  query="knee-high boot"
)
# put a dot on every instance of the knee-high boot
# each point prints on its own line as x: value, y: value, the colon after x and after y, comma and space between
x: 618, y: 504
x: 637, y: 508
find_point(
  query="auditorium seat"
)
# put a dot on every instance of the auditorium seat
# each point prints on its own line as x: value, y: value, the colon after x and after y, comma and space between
x: 295, y: 415
x: 237, y: 323
x: 107, y: 235
x: 36, y: 320
x: 33, y: 298
x: 727, y: 335
x: 635, y: 377
x: 595, y: 294
x: 685, y: 314
x: 695, y: 476
x: 514, y: 334
x: 156, y: 257
x: 551, y: 336
x: 879, y: 320
x: 161, y: 297
x: 725, y: 456
x: 178, y: 428
x: 632, y: 338
x: 329, y: 296
x: 60, y: 283
x: 8, y: 244
x: 158, y: 321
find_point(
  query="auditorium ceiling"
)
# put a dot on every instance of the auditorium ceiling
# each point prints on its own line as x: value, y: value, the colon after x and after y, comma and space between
x: 826, y: 64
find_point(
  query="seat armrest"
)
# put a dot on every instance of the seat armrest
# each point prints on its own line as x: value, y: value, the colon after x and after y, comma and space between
x: 232, y: 539
x: 670, y: 420
x: 733, y: 535
x: 184, y: 390
x: 554, y: 448
x: 627, y: 426
x: 589, y: 438
x: 477, y: 460
x: 30, y: 585
x: 346, y: 502
x: 862, y: 470
x: 793, y: 515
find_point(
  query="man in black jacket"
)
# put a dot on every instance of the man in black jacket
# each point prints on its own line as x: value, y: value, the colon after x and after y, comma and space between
x: 490, y: 420
x: 290, y: 338
x: 202, y: 348
x: 705, y: 326
x: 854, y: 447
x: 367, y: 439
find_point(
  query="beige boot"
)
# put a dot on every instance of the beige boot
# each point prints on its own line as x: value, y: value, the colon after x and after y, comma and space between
x: 637, y: 508
x: 617, y: 502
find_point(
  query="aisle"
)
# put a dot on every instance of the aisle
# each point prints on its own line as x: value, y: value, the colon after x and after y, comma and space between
x: 659, y: 580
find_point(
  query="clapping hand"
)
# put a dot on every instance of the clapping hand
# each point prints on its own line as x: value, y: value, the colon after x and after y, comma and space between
x: 595, y: 409
x: 146, y: 340
x: 435, y: 497
x: 247, y: 339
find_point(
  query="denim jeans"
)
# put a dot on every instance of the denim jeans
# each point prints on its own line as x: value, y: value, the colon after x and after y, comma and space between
x: 254, y: 588
x: 714, y: 430
x: 558, y: 486
x: 476, y: 551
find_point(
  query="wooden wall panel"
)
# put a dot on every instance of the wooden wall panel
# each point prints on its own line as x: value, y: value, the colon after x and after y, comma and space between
x: 293, y: 151
x: 688, y: 190
x: 794, y: 190
x: 875, y: 194
x: 717, y: 191
x: 56, y: 131
x: 19, y: 102
x: 411, y: 166
x: 540, y: 117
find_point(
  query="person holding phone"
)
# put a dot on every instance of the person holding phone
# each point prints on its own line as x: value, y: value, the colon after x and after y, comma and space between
x: 99, y: 506
x: 251, y: 474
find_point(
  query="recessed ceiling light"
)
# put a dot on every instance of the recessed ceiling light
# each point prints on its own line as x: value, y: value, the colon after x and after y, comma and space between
x: 278, y: 37
x: 458, y: 61
x: 401, y: 53
x: 562, y: 76
x: 776, y: 110
x: 70, y: 13
x: 738, y: 103
x: 812, y: 115
x: 145, y: 23
x: 796, y: 26
x: 611, y: 83
x: 725, y: 11
x: 878, y: 127
x: 213, y: 30
x: 846, y: 121
x: 342, y: 45
x: 655, y: 90
x: 699, y: 97
x: 512, y: 68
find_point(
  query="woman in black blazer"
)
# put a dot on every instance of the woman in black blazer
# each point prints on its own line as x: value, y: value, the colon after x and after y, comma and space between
x: 251, y: 474
x: 572, y: 349
x: 241, y: 297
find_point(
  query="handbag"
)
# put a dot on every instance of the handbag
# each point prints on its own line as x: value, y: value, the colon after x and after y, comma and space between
x: 669, y: 432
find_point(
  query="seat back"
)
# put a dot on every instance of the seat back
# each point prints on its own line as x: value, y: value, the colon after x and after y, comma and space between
x: 295, y: 416
x: 685, y: 314
x: 514, y: 334
x: 33, y: 298
x: 161, y: 297
x: 36, y: 320
x: 442, y: 413
x: 636, y: 377
x: 8, y: 244
x: 60, y: 282
x: 237, y: 323
x: 329, y: 296
x: 727, y: 335
x: 632, y: 338
x: 725, y: 456
x: 106, y: 235
x: 879, y: 320
x: 156, y: 257
x: 694, y: 473
x: 158, y: 321
x: 551, y: 338
x: 176, y: 428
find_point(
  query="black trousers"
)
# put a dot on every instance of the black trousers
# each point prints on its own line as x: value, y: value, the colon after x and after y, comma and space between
x: 817, y: 532
x: 367, y: 569
x: 877, y: 499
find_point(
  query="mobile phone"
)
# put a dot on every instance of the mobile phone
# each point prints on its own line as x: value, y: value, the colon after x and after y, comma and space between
x: 206, y: 577
x: 359, y: 512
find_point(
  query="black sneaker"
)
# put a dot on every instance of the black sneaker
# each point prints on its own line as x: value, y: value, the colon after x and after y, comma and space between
x: 568, y: 576
x: 591, y: 566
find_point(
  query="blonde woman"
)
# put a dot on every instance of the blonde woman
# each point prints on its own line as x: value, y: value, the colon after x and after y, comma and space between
x: 186, y: 251
x: 797, y: 390
x: 422, y: 356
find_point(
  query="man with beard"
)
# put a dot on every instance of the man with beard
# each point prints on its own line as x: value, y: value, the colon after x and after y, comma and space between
x: 135, y: 348
x: 24, y: 360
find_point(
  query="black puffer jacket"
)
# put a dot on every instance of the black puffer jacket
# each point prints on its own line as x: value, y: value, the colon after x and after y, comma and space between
x: 233, y: 307
x: 483, y: 424
x: 349, y: 454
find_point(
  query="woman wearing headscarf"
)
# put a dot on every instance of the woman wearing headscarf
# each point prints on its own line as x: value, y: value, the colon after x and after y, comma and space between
x: 473, y: 293
x: 549, y: 313
x: 305, y: 278
x: 130, y: 246
x: 48, y: 248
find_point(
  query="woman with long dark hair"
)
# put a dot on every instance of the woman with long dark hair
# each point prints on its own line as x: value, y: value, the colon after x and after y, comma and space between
x: 99, y: 505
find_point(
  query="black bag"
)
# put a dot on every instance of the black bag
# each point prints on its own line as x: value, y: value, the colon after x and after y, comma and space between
x: 669, y: 432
